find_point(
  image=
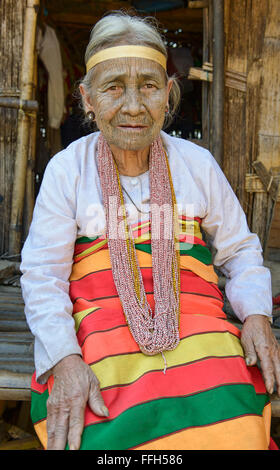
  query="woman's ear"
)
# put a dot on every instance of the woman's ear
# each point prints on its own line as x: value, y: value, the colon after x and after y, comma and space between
x: 169, y: 86
x: 86, y: 98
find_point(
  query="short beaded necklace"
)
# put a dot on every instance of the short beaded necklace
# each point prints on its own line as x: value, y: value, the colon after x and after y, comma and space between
x: 158, y: 332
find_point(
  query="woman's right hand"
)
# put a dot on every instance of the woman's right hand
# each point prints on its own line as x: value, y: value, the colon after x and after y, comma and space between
x: 75, y: 385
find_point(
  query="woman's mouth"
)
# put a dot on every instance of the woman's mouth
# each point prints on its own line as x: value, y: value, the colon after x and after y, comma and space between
x: 133, y: 127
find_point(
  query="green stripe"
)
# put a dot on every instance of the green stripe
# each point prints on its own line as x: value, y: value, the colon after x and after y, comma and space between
x: 199, y: 252
x: 85, y: 240
x: 38, y: 409
x: 143, y: 247
x: 163, y: 416
x: 196, y: 251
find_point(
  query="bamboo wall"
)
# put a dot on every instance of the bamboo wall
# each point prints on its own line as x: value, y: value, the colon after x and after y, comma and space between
x: 252, y: 116
x: 252, y: 109
x: 11, y: 40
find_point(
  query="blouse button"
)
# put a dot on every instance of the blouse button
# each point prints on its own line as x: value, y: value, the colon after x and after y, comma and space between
x: 135, y: 182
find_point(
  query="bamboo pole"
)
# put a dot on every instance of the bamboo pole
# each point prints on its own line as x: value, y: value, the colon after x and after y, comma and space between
x: 218, y: 81
x: 27, y: 74
x: 205, y: 86
x: 198, y: 4
x: 17, y: 103
x: 30, y: 190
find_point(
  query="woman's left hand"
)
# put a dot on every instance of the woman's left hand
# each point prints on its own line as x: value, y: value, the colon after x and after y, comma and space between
x: 258, y: 341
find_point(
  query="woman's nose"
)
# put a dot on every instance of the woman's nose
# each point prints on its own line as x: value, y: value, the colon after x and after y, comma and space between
x: 132, y: 104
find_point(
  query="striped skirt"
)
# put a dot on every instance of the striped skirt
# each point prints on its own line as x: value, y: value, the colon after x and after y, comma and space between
x: 207, y: 399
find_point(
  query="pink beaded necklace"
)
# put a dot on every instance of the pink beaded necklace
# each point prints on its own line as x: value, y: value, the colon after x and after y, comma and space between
x: 158, y: 332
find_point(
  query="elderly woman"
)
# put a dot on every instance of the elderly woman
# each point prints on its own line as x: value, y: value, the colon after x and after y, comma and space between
x: 132, y: 347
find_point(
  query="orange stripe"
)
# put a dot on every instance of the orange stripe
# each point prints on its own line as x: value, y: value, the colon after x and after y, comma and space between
x: 41, y: 431
x: 110, y: 343
x: 101, y: 260
x: 267, y: 421
x: 243, y: 433
x: 120, y: 341
x: 197, y: 304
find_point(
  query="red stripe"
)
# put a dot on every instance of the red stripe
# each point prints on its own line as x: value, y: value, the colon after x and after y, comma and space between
x: 80, y: 247
x: 101, y: 284
x: 110, y: 315
x: 36, y: 387
x: 273, y: 445
x: 184, y: 217
x: 192, y: 240
x: 180, y: 217
x: 178, y: 381
x: 97, y: 323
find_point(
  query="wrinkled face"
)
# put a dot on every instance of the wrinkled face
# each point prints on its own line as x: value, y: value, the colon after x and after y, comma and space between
x: 129, y: 97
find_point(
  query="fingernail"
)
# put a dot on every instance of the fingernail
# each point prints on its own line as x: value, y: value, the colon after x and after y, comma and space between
x: 105, y: 410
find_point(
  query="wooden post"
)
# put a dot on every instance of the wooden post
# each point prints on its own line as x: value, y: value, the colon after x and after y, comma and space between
x: 267, y: 133
x: 27, y: 74
x: 205, y: 85
x: 16, y: 103
x: 218, y: 81
x: 30, y: 189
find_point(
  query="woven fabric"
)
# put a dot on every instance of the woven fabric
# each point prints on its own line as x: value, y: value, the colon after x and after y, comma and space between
x: 207, y: 399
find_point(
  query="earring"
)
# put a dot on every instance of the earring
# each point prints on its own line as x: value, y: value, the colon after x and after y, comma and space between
x: 166, y: 109
x: 91, y: 116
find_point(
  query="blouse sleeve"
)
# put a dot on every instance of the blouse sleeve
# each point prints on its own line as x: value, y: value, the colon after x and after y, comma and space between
x: 238, y: 251
x: 46, y: 266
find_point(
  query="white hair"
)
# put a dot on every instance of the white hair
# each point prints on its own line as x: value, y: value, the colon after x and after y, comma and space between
x: 121, y: 28
x: 116, y: 27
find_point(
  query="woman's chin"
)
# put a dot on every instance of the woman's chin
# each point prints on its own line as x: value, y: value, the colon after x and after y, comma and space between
x: 133, y: 139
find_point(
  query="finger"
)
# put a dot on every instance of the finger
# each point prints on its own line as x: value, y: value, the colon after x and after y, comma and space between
x: 51, y: 420
x: 267, y: 369
x: 57, y: 435
x: 276, y: 363
x: 96, y: 401
x: 76, y: 426
x: 250, y: 354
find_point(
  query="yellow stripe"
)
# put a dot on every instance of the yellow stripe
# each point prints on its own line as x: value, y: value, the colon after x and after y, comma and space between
x: 244, y: 433
x: 127, y: 368
x: 79, y: 316
x: 143, y: 238
x: 191, y: 228
x: 145, y: 224
x: 101, y: 260
x: 92, y: 248
x: 41, y: 431
x: 267, y: 421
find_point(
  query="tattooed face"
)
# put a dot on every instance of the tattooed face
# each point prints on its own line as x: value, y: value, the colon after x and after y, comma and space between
x: 129, y: 98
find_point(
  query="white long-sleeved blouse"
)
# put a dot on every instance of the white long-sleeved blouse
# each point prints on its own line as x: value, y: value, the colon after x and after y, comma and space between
x: 69, y: 205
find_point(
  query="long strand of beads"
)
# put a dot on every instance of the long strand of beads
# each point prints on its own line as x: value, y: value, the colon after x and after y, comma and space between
x: 160, y: 332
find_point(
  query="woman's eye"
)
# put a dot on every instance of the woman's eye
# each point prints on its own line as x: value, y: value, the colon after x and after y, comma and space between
x: 149, y: 85
x: 114, y: 88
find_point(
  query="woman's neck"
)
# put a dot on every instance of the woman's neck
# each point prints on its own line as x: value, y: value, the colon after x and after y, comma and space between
x: 131, y: 162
